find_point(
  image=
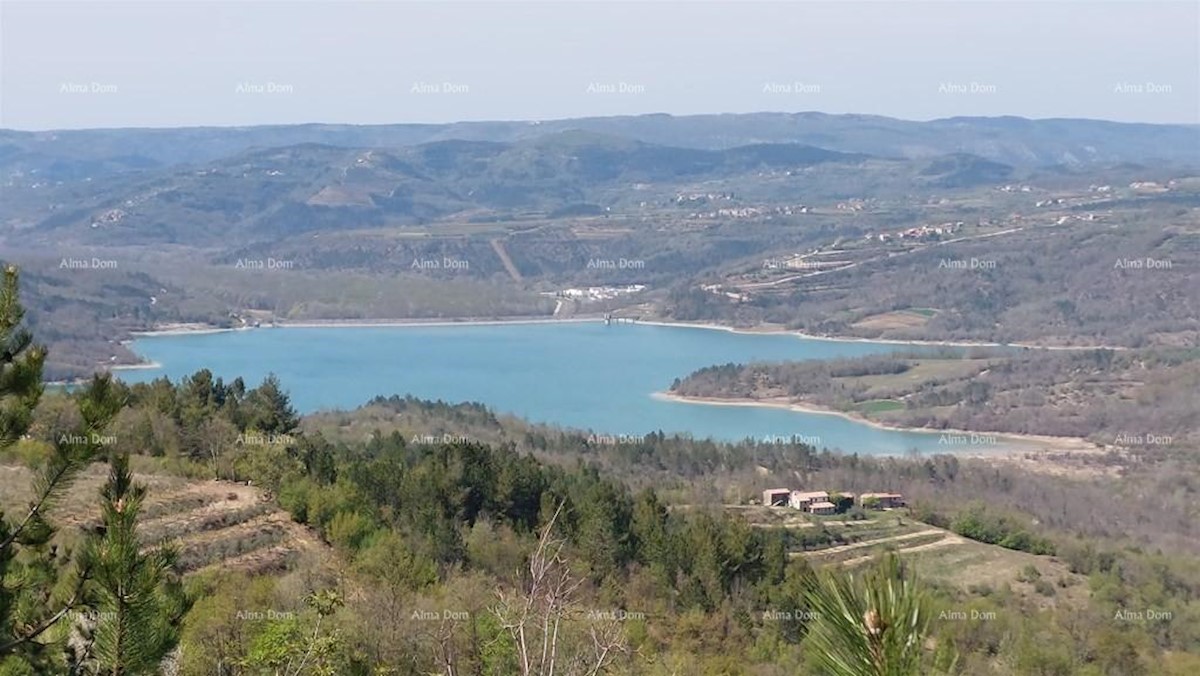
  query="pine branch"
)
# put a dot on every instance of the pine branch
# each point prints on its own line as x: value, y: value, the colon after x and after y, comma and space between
x: 51, y: 480
x: 98, y: 408
x: 68, y: 606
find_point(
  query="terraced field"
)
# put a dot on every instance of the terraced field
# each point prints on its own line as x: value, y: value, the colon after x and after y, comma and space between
x: 939, y: 555
x: 209, y: 522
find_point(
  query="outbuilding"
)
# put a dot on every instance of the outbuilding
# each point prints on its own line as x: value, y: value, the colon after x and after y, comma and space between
x: 775, y: 497
x: 881, y: 500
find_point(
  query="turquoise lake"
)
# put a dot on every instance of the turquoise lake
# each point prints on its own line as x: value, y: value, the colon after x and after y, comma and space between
x: 582, y: 375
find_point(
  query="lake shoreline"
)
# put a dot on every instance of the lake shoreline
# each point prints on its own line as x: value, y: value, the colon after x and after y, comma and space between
x: 665, y: 365
x: 1049, y: 443
x: 774, y: 330
x: 766, y: 330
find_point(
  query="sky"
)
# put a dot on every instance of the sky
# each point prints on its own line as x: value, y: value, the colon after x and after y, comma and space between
x: 169, y: 63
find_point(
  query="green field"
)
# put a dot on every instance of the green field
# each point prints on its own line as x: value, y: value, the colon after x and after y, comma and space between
x: 879, y: 406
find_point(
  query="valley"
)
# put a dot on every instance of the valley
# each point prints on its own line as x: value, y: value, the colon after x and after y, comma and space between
x: 1005, y: 338
x: 735, y: 249
x: 599, y: 338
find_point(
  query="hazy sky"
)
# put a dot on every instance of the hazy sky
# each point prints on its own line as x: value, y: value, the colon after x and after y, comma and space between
x: 169, y: 63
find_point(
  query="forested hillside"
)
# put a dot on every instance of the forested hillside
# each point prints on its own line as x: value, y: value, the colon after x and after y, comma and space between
x: 1141, y: 398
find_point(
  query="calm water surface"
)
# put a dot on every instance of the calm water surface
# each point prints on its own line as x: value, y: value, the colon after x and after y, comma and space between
x: 582, y: 375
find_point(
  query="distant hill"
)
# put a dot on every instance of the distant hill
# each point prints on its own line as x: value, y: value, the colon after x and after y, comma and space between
x: 77, y: 154
x: 962, y: 170
x: 266, y: 193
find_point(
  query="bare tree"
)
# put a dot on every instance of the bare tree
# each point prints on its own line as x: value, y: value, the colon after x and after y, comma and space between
x: 534, y: 616
x: 607, y: 638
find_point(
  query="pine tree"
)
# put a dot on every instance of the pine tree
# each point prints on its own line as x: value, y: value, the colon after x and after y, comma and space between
x: 873, y: 624
x: 270, y: 408
x: 39, y: 584
x: 136, y: 597
x: 20, y: 365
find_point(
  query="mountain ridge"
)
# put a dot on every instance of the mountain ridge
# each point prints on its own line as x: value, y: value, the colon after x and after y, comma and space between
x: 77, y: 154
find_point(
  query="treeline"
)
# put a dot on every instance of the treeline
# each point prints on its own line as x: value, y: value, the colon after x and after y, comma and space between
x: 201, y: 420
x: 652, y: 458
x: 983, y: 525
x: 742, y: 378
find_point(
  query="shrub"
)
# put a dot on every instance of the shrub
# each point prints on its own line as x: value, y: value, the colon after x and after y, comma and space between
x: 1044, y: 588
x: 1029, y: 573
